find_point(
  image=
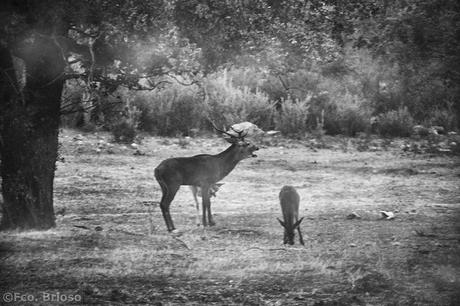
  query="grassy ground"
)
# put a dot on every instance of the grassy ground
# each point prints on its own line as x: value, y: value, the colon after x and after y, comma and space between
x: 104, y: 250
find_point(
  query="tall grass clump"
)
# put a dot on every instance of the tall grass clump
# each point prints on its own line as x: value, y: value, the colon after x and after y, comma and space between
x: 292, y: 118
x: 352, y: 90
x: 125, y: 123
x: 228, y: 104
x: 395, y: 123
x: 443, y: 117
x: 170, y: 111
x: 349, y: 114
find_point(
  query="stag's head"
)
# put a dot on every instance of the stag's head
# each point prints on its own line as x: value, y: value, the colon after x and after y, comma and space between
x: 245, y: 149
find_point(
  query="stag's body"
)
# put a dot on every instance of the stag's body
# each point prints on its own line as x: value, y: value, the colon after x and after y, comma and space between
x: 203, y: 171
x: 289, y: 201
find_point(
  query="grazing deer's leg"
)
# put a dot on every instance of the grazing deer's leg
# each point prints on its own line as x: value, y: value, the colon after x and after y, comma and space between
x: 169, y: 192
x: 300, y: 236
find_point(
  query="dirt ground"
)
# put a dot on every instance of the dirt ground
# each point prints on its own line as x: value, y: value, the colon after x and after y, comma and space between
x: 108, y: 249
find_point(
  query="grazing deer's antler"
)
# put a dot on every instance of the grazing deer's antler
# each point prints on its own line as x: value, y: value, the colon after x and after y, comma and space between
x: 203, y: 171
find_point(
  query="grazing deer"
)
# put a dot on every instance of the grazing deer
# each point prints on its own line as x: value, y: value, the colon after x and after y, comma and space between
x: 196, y: 191
x: 289, y: 200
x: 202, y: 170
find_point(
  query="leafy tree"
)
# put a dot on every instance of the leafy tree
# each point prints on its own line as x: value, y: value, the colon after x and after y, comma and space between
x: 104, y: 43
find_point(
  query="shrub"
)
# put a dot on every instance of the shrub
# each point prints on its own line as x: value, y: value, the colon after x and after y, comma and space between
x: 348, y: 121
x: 291, y: 119
x: 71, y: 104
x: 228, y: 104
x: 395, y: 123
x: 175, y: 110
x: 443, y: 117
x: 352, y: 121
x: 123, y: 132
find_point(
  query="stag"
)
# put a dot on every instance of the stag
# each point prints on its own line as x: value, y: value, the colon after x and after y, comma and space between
x: 289, y: 201
x: 203, y: 170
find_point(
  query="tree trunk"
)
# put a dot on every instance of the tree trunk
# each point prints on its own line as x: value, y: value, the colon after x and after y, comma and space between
x: 29, y: 123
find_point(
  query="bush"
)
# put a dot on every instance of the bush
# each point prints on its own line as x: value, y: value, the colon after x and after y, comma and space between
x: 124, y: 132
x: 339, y: 97
x: 292, y: 118
x: 348, y: 121
x: 443, y: 117
x: 395, y: 123
x: 171, y: 111
x: 228, y: 104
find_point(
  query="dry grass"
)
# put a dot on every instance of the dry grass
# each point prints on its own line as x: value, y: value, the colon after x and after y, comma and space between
x: 102, y: 249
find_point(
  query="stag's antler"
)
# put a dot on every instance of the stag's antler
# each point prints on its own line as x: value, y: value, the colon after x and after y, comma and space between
x: 231, y: 135
x: 239, y: 133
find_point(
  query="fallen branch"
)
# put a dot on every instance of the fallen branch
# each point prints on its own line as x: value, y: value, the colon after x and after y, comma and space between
x: 181, y: 242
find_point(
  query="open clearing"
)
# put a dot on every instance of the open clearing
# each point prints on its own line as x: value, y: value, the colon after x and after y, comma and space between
x: 102, y: 250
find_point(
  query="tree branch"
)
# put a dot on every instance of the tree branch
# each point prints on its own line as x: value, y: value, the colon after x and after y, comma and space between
x: 82, y: 32
x: 182, y: 83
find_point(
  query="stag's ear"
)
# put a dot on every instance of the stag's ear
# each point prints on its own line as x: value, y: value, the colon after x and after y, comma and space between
x: 297, y: 223
x: 281, y: 222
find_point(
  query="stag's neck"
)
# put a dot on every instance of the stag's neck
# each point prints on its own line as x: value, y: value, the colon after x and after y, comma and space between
x: 228, y: 160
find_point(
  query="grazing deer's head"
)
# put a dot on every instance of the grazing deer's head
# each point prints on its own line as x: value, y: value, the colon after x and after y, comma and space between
x: 289, y: 201
x: 214, y: 189
x: 289, y: 231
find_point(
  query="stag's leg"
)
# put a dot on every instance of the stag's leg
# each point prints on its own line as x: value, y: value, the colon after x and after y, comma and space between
x: 210, y: 219
x: 169, y: 192
x: 203, y: 214
x: 206, y: 206
x: 194, y: 192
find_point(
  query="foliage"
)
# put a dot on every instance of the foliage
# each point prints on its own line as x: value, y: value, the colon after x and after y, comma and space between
x: 352, y: 61
x: 124, y: 132
x: 228, y: 103
x: 175, y: 110
x: 395, y: 123
x: 124, y: 128
x: 291, y: 119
